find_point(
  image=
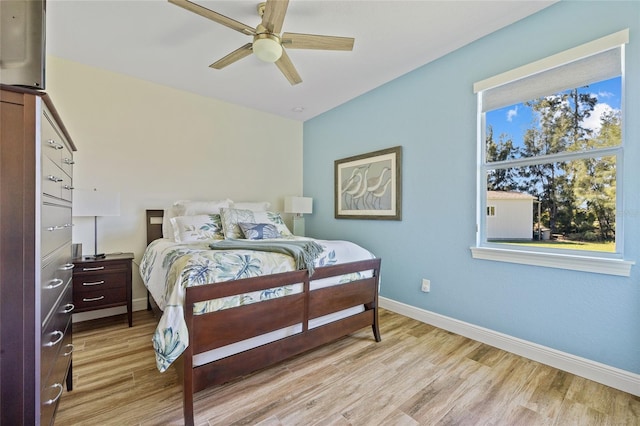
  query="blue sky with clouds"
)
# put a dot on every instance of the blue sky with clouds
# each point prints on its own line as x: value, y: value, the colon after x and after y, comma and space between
x: 514, y: 120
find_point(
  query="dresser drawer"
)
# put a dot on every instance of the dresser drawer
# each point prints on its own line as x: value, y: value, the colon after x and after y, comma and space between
x: 55, y: 276
x: 56, y: 335
x: 53, y: 384
x: 55, y: 147
x: 55, y: 182
x: 56, y: 227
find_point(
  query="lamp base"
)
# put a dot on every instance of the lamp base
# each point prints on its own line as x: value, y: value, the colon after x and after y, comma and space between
x: 298, y: 226
x: 95, y: 241
x: 96, y: 256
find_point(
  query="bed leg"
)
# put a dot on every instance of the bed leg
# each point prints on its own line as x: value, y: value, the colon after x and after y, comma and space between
x: 188, y: 414
x: 375, y: 326
x: 187, y: 398
x: 188, y: 408
x: 148, y: 301
x: 187, y: 377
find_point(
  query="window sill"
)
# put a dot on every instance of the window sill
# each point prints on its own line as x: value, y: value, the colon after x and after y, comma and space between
x: 598, y: 265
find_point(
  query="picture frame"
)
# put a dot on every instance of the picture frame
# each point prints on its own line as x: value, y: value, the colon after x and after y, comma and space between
x: 369, y: 186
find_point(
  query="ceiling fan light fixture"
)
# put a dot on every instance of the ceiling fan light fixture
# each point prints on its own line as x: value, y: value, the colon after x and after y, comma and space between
x: 267, y: 47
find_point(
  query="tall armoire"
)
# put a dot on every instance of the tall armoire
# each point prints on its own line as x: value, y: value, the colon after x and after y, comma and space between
x: 36, y: 169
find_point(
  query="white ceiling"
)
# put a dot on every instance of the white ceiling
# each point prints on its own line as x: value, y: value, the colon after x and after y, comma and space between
x: 163, y: 43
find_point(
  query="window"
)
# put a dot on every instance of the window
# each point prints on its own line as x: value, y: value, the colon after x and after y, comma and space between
x: 550, y: 151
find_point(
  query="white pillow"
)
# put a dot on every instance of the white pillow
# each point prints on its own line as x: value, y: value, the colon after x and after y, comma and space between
x: 231, y: 217
x: 256, y: 206
x: 198, y: 228
x: 189, y: 208
x: 192, y: 208
x: 169, y: 213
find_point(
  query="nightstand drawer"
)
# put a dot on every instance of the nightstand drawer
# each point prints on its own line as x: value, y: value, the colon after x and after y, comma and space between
x: 96, y: 281
x: 99, y: 268
x: 98, y: 299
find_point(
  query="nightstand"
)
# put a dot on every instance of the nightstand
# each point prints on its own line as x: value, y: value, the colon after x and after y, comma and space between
x: 102, y: 283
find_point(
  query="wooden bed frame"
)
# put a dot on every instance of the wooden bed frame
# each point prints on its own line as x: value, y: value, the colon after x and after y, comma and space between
x: 216, y: 329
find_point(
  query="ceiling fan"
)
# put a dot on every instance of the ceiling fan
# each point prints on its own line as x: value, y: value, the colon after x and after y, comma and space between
x: 268, y: 44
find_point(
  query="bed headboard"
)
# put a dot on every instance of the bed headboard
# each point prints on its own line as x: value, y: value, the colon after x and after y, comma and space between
x: 154, y: 225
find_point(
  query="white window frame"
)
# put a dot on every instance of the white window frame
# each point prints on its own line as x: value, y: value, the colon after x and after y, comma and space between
x: 508, y: 86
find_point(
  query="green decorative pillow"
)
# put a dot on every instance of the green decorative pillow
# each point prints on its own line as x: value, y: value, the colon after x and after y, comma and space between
x: 188, y: 229
x: 259, y: 231
x: 232, y: 217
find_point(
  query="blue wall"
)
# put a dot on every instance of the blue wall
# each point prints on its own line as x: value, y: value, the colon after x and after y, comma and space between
x: 431, y: 112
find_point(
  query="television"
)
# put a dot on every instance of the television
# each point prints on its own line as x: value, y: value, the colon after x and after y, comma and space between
x: 22, y: 43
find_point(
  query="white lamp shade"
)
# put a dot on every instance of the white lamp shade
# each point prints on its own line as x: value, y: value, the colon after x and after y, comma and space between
x: 95, y: 203
x: 298, y: 205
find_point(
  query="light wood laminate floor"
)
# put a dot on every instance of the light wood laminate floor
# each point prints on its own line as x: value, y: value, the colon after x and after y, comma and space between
x: 417, y: 375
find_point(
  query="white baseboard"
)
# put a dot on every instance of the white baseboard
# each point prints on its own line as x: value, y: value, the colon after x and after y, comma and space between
x: 136, y: 305
x: 592, y: 370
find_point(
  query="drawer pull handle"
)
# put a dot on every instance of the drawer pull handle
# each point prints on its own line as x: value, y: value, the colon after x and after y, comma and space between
x: 53, y: 401
x: 68, y: 161
x: 92, y: 299
x: 55, y: 228
x: 53, y: 144
x: 98, y: 268
x: 93, y: 283
x: 54, y: 283
x: 71, y: 348
x: 53, y: 178
x: 58, y: 333
x: 67, y: 267
x: 68, y: 308
x: 68, y: 187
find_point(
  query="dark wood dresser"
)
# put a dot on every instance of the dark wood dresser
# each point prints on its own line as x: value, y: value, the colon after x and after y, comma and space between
x: 36, y: 169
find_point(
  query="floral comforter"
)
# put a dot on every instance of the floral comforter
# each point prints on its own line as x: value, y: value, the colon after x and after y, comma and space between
x: 167, y: 268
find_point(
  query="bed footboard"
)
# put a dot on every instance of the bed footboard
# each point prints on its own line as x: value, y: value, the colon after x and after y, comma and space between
x: 217, y: 329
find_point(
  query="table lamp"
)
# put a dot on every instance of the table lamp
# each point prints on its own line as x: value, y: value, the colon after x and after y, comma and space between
x: 298, y: 206
x: 95, y: 203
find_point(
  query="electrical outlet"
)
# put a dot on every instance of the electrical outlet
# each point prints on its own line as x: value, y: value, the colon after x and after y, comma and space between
x: 426, y: 285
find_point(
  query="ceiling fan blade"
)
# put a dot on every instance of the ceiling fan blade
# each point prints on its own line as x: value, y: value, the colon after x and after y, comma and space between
x: 232, y: 57
x: 286, y: 67
x: 273, y: 17
x: 214, y: 16
x: 313, y: 41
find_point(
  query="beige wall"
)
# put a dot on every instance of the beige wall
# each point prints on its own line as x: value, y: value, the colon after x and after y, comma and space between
x: 155, y: 145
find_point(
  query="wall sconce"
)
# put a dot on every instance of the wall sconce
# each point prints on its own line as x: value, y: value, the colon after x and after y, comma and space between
x: 298, y: 206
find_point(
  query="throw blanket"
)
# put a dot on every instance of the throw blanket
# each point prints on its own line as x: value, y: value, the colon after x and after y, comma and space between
x: 303, y: 252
